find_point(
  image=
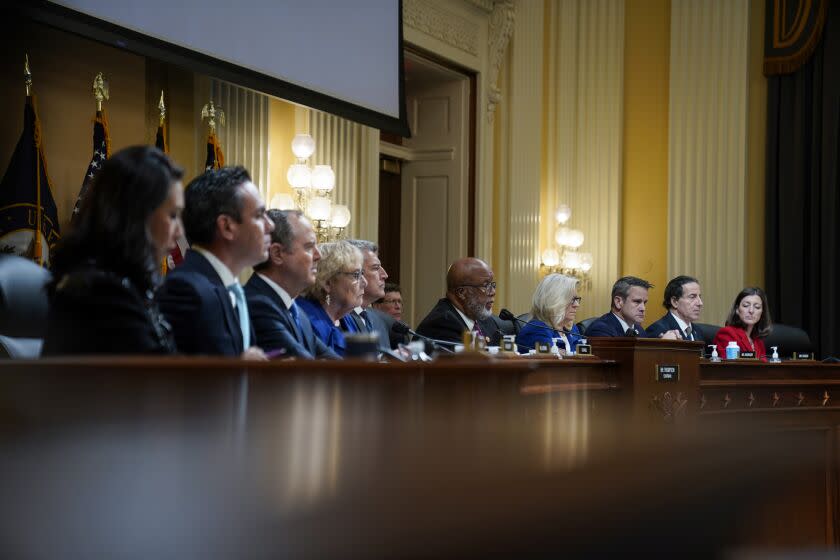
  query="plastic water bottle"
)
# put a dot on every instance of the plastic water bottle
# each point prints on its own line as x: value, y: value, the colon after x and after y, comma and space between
x: 732, y: 350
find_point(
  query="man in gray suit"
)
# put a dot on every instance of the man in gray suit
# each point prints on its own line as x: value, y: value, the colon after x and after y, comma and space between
x: 365, y: 318
x: 291, y: 267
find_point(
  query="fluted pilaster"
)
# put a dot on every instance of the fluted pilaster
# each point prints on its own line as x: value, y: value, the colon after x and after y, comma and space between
x: 708, y: 148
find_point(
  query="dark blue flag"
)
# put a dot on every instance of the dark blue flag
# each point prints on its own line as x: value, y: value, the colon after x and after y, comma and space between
x: 26, y: 200
x: 101, y: 144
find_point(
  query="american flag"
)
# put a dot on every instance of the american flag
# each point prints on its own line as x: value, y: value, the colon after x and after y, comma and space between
x: 100, y: 154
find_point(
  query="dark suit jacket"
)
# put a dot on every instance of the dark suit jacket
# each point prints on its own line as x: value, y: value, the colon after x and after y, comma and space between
x: 275, y: 327
x: 197, y: 305
x: 97, y: 312
x: 388, y: 322
x: 445, y: 323
x: 608, y: 325
x: 668, y: 323
x: 377, y: 326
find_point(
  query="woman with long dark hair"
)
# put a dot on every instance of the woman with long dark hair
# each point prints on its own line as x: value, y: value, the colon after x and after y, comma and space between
x: 106, y: 270
x: 748, y: 324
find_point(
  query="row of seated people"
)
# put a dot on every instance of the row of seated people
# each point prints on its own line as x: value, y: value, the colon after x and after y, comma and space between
x: 107, y: 294
x: 556, y: 301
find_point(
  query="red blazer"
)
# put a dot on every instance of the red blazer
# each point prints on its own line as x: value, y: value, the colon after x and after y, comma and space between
x: 739, y: 335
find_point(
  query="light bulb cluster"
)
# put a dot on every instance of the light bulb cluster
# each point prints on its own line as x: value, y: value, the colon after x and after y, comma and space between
x: 566, y: 258
x: 313, y: 187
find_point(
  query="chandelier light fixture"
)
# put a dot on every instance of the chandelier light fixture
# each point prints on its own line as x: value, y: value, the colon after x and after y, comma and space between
x: 313, y: 187
x: 566, y: 257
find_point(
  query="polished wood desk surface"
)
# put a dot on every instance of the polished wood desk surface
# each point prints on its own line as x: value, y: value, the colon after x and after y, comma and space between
x: 208, y: 458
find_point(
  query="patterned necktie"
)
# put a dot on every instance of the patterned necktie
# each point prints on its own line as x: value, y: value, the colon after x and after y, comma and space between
x: 364, y: 315
x: 293, y: 310
x: 477, y: 329
x: 242, y: 310
x: 688, y: 334
x: 631, y: 332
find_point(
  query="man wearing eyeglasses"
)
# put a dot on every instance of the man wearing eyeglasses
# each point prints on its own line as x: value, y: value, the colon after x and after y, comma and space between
x: 468, y: 305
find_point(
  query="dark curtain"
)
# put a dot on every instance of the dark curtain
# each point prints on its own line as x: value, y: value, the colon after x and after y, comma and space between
x: 803, y: 193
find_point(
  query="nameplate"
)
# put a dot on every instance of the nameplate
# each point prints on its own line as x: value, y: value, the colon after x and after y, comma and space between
x: 665, y: 373
x: 747, y: 356
x: 583, y: 350
x: 542, y: 348
x: 803, y: 355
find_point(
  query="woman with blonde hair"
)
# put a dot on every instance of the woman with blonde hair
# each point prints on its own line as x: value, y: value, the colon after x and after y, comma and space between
x: 338, y: 289
x: 553, y: 314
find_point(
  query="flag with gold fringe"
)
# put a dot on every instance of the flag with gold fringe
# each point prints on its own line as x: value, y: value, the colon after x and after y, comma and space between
x: 176, y: 255
x: 215, y: 156
x: 26, y: 201
x: 101, y: 152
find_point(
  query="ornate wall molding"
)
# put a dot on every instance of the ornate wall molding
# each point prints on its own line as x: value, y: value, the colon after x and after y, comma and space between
x: 486, y: 5
x: 502, y: 20
x: 441, y: 24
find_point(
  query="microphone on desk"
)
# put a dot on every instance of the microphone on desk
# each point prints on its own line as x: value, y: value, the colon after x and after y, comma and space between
x: 506, y: 315
x: 402, y: 329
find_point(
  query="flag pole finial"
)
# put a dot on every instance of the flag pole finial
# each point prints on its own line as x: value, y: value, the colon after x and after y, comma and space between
x: 100, y: 90
x: 27, y: 75
x: 162, y: 108
x: 210, y: 112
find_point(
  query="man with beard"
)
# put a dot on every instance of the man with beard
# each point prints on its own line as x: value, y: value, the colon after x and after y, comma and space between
x: 470, y: 292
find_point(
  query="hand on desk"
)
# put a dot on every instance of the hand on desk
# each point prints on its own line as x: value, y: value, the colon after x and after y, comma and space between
x: 254, y: 353
x: 673, y: 334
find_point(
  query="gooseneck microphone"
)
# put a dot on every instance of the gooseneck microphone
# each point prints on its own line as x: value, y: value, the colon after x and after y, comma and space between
x: 402, y: 329
x: 506, y: 315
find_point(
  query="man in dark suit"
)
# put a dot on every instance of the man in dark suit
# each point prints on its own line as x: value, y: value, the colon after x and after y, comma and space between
x: 389, y: 308
x: 365, y: 318
x: 629, y: 298
x: 291, y: 268
x: 228, y: 229
x: 470, y: 292
x: 683, y: 302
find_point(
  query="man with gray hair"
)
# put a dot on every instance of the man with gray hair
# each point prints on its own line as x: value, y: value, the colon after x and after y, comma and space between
x: 365, y: 318
x: 271, y: 291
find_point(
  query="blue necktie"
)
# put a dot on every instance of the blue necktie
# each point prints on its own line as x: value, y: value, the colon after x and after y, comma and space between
x: 364, y: 316
x: 293, y: 309
x: 242, y: 309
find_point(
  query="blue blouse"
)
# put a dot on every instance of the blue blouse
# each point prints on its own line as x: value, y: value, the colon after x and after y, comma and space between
x: 322, y: 325
x: 537, y: 331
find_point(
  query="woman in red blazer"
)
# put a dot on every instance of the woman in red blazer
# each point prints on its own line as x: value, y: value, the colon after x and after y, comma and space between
x: 748, y: 323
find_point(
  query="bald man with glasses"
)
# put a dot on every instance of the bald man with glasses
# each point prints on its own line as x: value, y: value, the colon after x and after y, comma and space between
x: 468, y: 305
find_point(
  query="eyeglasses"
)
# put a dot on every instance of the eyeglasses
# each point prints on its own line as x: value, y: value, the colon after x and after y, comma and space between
x: 483, y: 287
x: 392, y: 301
x: 356, y: 274
x: 577, y: 300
